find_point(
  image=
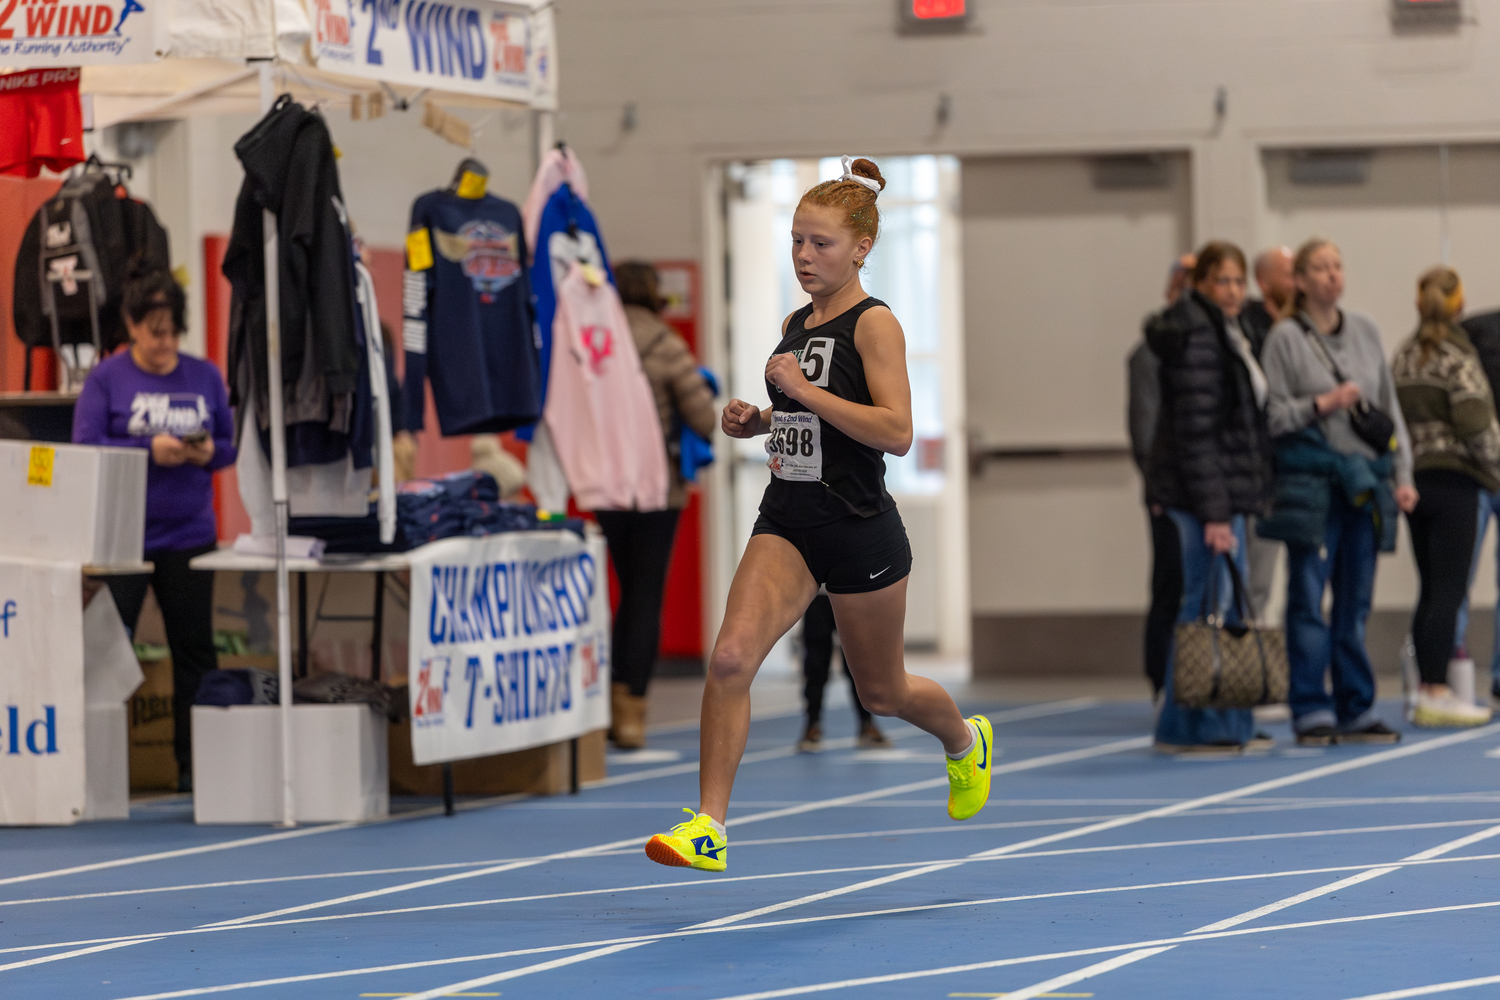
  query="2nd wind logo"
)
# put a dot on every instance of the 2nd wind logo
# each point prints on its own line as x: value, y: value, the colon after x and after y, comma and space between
x: 51, y: 27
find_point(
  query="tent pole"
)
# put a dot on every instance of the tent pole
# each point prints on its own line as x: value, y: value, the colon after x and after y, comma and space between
x: 278, y: 474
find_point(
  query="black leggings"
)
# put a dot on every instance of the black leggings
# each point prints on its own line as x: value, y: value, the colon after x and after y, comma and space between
x: 1166, y: 596
x: 817, y: 659
x: 186, y: 597
x: 1443, y: 526
x: 640, y: 546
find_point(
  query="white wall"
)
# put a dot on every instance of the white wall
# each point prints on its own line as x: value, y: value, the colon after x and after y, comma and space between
x: 721, y: 80
x: 715, y: 81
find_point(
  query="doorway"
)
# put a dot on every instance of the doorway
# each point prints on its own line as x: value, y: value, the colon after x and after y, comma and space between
x: 916, y: 269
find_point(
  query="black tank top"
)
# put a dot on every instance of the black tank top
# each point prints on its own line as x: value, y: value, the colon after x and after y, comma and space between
x: 819, y: 474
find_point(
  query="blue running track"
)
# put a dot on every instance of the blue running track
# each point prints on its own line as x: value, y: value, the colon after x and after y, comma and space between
x: 1097, y: 869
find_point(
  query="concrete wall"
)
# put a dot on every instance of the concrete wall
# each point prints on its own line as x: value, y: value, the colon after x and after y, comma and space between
x: 1061, y: 79
x: 1030, y: 88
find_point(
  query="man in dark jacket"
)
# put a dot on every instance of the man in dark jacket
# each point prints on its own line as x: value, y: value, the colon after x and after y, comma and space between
x: 1484, y: 334
x: 1143, y: 371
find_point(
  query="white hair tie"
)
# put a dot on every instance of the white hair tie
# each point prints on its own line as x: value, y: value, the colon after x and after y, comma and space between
x: 850, y: 175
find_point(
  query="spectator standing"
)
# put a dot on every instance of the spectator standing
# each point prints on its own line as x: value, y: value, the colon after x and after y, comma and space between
x: 1484, y: 333
x: 1143, y: 373
x: 1336, y: 497
x: 640, y: 542
x: 1450, y: 413
x: 1273, y: 274
x: 175, y: 407
x: 1210, y: 465
x: 818, y: 626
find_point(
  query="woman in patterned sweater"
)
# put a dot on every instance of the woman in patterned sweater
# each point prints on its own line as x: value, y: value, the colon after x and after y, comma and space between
x: 1450, y: 415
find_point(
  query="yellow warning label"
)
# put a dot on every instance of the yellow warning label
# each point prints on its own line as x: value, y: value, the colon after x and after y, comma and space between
x: 419, y: 249
x: 39, y: 469
x: 471, y: 185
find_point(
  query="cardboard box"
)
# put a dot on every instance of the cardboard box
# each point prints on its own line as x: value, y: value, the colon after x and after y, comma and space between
x: 74, y: 503
x: 538, y: 771
x: 153, y: 767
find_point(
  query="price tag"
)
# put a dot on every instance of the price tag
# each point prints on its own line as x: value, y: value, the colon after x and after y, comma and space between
x: 419, y: 249
x: 39, y: 468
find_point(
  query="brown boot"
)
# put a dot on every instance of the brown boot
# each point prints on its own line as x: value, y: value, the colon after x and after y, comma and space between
x: 630, y: 718
x: 617, y: 694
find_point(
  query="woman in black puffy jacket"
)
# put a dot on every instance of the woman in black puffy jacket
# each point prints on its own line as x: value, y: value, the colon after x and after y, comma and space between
x: 1210, y: 464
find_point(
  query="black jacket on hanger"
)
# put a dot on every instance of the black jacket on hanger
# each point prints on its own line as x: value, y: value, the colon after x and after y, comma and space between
x: 119, y: 229
x: 290, y: 170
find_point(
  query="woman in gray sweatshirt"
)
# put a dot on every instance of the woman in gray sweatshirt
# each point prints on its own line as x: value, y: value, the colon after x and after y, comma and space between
x: 1300, y: 359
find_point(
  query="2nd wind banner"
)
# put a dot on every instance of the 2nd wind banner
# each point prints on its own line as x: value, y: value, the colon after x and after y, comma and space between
x: 509, y: 643
x: 495, y: 49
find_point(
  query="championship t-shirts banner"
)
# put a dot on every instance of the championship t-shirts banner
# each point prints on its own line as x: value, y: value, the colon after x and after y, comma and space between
x: 41, y: 693
x: 509, y: 643
x: 497, y: 49
x: 45, y: 33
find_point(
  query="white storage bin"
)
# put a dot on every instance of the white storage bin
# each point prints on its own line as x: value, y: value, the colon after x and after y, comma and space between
x: 340, y: 770
x: 72, y: 502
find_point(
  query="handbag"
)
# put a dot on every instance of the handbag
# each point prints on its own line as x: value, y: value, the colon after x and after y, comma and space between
x: 1221, y: 665
x: 1369, y: 422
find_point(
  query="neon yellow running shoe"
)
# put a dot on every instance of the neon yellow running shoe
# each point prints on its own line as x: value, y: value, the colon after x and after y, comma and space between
x: 969, y: 778
x: 694, y: 844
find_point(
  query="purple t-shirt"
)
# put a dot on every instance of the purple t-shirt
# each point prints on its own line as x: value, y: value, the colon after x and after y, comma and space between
x: 125, y: 407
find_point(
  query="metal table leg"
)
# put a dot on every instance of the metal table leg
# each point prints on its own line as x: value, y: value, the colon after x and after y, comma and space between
x: 302, y: 624
x: 573, y: 776
x: 379, y: 620
x: 447, y: 789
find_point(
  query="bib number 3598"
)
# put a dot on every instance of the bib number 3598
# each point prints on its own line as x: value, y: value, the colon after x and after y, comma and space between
x: 795, y: 447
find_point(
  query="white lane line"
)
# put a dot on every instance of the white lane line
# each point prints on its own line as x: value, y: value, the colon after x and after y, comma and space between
x: 1424, y: 991
x: 806, y: 807
x: 501, y: 977
x: 1079, y: 975
x: 1325, y: 890
x: 1029, y: 764
x: 856, y: 887
x: 1021, y: 765
x: 1169, y: 810
x: 1301, y: 897
x: 1102, y: 950
x: 1300, y: 777
x: 842, y: 871
x: 1037, y: 711
x: 74, y: 954
x: 673, y: 935
x: 223, y: 845
x: 691, y: 767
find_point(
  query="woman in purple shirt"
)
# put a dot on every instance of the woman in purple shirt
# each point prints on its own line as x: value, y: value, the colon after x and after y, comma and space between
x: 176, y: 407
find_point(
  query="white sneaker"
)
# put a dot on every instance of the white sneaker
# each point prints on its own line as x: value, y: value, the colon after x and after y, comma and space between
x: 1461, y: 679
x: 1411, y: 677
x: 1448, y: 712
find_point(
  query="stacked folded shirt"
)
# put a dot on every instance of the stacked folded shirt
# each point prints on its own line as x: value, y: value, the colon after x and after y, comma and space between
x: 461, y: 504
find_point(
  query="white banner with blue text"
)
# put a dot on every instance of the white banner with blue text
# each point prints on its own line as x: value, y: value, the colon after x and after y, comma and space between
x: 509, y: 643
x: 485, y: 47
x: 41, y: 693
x: 52, y: 33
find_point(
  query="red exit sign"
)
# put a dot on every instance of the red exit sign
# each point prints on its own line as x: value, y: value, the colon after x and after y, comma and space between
x: 922, y: 16
x: 937, y: 10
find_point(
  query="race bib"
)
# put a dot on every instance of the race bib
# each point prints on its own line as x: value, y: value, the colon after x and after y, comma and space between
x: 796, y: 447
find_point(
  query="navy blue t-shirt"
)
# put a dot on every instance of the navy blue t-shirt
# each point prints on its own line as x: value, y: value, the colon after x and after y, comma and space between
x: 467, y: 318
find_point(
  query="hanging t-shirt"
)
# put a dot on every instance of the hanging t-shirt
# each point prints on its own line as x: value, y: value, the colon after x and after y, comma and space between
x: 601, y: 414
x: 567, y: 234
x: 467, y: 320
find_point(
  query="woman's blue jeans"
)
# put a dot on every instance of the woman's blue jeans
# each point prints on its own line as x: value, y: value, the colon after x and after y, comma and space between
x: 1317, y: 647
x: 1179, y: 726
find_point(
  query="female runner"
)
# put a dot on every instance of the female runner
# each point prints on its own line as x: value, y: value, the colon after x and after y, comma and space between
x: 839, y: 400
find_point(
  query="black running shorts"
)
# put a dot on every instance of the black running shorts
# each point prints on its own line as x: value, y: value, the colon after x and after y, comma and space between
x: 853, y: 555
